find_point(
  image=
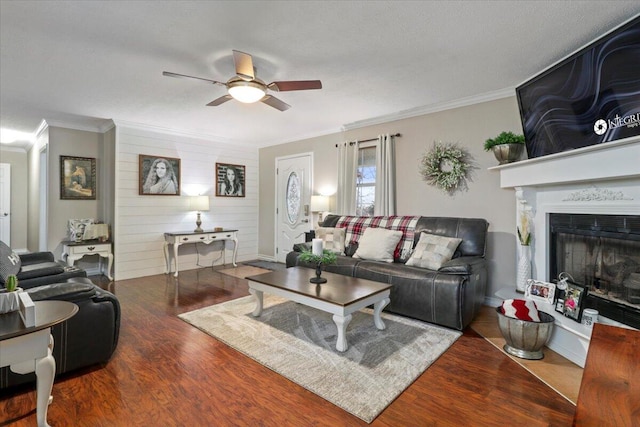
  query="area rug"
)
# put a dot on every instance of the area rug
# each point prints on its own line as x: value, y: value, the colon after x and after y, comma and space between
x: 298, y: 342
x: 243, y: 271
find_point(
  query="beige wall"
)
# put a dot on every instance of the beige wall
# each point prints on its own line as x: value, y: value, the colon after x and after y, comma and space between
x: 18, y: 161
x: 467, y: 126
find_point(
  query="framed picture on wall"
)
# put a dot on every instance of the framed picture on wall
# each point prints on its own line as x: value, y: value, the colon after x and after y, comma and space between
x: 230, y: 180
x: 158, y: 176
x: 77, y: 178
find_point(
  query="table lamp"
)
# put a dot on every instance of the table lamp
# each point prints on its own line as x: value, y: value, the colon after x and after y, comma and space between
x: 319, y: 204
x: 199, y: 204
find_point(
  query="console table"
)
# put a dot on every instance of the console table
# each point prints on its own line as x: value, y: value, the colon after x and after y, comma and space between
x: 28, y: 349
x: 73, y: 251
x: 206, y: 237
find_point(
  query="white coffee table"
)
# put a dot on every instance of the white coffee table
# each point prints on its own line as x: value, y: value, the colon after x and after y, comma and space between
x: 340, y: 296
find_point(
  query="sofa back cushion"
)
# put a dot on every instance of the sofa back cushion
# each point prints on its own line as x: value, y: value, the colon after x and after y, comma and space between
x: 355, y: 226
x: 472, y: 231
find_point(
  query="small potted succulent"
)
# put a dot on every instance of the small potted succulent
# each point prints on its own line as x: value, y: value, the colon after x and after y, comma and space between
x: 507, y: 147
x: 9, y: 299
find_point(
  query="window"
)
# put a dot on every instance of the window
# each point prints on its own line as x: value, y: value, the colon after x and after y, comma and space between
x: 366, y: 180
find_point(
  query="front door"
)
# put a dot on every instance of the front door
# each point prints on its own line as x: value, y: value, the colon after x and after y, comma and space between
x: 293, y: 194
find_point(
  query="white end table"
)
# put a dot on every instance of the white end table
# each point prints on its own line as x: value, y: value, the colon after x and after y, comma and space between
x: 73, y: 251
x: 29, y: 349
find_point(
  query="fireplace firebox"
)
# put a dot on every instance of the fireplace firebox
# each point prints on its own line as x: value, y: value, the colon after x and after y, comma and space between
x: 601, y: 252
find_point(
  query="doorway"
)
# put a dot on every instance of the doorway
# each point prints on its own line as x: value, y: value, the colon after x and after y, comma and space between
x: 293, y: 194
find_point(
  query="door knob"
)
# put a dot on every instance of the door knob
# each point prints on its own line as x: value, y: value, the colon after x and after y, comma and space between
x: 6, y: 214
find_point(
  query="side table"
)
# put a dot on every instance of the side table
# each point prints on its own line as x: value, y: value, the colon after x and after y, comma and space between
x: 73, y: 251
x: 28, y: 349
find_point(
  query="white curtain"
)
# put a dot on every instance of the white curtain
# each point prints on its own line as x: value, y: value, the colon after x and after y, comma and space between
x: 347, y: 166
x: 385, y: 203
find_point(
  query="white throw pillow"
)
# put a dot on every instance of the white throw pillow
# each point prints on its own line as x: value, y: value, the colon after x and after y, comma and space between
x: 378, y: 244
x: 433, y: 251
x: 332, y: 238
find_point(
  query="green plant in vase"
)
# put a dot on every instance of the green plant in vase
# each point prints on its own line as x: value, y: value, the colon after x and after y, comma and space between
x: 11, y: 283
x: 327, y: 257
x: 507, y: 147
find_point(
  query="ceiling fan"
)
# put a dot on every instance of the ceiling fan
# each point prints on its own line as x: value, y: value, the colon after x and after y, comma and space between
x: 246, y: 87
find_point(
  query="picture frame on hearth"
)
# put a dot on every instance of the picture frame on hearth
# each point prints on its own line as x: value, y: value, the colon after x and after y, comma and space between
x: 539, y: 291
x: 574, y: 298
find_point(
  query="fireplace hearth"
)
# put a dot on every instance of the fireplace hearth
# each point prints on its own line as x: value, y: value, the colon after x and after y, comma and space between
x: 601, y: 252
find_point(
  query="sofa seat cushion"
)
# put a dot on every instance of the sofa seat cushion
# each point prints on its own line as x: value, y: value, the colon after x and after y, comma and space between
x: 39, y: 270
x: 378, y: 244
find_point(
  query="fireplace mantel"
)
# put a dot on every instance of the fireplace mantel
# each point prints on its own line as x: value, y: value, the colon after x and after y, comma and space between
x: 600, y: 179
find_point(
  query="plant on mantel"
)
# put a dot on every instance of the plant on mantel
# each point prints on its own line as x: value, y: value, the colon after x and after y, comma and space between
x: 507, y: 146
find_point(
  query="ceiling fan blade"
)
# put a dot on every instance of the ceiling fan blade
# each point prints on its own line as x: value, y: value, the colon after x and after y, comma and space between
x: 274, y: 102
x: 244, y: 65
x: 184, y: 76
x: 221, y: 100
x: 295, y: 85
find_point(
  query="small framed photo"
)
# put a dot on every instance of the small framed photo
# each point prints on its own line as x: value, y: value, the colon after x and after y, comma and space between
x: 158, y: 176
x: 574, y: 301
x: 230, y: 180
x: 540, y: 291
x: 77, y: 178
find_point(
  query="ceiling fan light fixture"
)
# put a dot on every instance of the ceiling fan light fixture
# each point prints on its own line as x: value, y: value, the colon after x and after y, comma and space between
x: 247, y: 92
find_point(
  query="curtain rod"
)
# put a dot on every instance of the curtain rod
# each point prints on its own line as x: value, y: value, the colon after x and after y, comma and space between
x: 371, y: 139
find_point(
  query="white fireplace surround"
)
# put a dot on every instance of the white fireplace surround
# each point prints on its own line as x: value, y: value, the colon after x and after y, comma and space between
x: 600, y: 179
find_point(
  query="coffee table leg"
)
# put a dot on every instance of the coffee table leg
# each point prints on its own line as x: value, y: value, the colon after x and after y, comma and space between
x: 257, y: 295
x: 377, y: 309
x: 342, y: 323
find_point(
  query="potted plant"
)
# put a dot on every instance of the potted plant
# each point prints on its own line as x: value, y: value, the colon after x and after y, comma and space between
x: 327, y: 257
x: 9, y: 299
x: 507, y: 147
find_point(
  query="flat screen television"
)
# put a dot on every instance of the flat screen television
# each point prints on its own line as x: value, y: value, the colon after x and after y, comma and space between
x: 591, y: 97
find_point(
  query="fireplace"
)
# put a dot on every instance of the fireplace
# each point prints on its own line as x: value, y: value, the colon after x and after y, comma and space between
x: 599, y: 182
x: 601, y: 252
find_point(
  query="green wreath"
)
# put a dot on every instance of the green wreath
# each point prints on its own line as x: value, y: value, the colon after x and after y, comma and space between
x: 445, y: 166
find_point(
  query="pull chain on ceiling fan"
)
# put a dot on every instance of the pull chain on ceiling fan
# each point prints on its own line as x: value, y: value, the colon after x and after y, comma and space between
x: 247, y: 88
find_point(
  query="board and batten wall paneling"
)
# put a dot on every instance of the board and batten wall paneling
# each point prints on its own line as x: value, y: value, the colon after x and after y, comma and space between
x: 141, y: 221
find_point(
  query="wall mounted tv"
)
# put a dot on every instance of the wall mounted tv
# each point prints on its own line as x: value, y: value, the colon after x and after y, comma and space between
x: 588, y: 98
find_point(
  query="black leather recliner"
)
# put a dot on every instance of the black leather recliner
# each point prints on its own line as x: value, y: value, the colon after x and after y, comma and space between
x: 88, y: 338
x: 40, y: 268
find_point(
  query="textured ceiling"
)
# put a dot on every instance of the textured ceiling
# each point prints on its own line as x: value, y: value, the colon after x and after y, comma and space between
x: 82, y: 63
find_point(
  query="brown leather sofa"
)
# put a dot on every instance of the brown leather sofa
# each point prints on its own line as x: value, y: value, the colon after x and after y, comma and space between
x: 450, y: 296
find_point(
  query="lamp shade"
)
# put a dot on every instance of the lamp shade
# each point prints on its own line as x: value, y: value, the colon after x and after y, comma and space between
x: 199, y: 203
x: 319, y: 203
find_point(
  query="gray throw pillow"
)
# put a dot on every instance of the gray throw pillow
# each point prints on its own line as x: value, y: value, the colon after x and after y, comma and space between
x: 9, y: 262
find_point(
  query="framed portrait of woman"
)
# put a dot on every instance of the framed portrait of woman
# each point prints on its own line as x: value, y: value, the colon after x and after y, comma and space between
x: 230, y: 180
x: 77, y: 178
x: 159, y: 176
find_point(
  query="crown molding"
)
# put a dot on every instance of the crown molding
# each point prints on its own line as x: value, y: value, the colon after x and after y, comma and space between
x: 430, y: 109
x: 177, y: 132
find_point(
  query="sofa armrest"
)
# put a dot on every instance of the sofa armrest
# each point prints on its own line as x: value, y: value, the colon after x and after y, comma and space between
x: 36, y: 258
x: 463, y: 265
x: 301, y: 247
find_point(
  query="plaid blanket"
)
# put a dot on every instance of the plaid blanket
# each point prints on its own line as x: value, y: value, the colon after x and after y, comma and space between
x: 355, y: 226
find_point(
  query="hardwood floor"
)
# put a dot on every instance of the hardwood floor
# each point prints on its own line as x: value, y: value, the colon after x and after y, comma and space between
x: 168, y: 373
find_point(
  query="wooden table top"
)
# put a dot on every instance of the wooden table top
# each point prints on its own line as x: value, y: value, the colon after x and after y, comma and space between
x: 48, y: 313
x: 339, y: 289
